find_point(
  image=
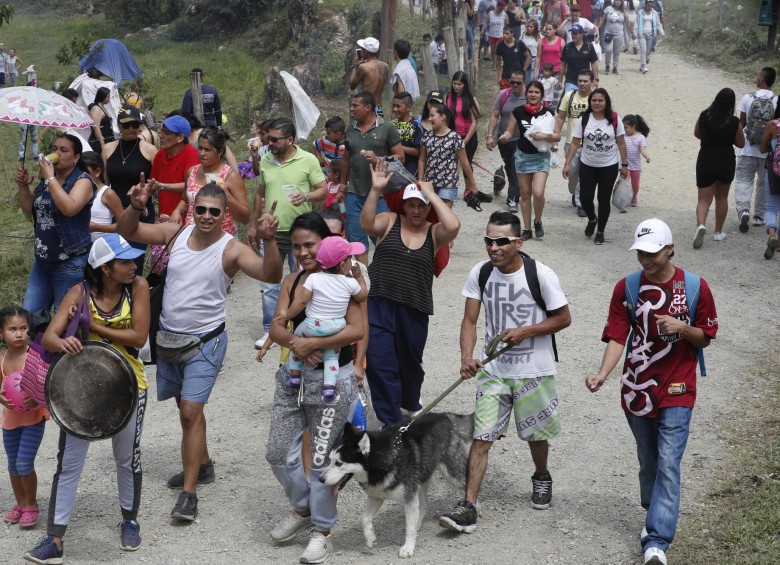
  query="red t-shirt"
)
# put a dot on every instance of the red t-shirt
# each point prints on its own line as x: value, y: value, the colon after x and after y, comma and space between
x: 660, y: 370
x: 172, y: 170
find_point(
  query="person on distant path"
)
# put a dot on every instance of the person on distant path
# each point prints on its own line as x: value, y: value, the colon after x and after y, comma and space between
x: 212, y: 106
x: 522, y: 379
x: 202, y: 263
x: 503, y: 106
x: 404, y: 77
x: 549, y: 50
x: 648, y: 28
x: 511, y: 55
x: 531, y: 37
x: 616, y: 23
x: 658, y: 382
x: 754, y: 112
x: 14, y: 63
x: 769, y: 143
x: 102, y: 128
x: 577, y: 56
x: 719, y: 131
x: 409, y: 128
x: 575, y: 18
x: 398, y: 312
x: 369, y: 72
x: 171, y: 163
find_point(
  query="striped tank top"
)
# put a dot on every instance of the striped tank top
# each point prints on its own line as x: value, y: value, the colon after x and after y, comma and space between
x: 401, y: 274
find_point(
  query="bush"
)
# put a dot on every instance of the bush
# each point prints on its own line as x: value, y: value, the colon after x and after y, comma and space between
x: 142, y: 13
x: 748, y: 44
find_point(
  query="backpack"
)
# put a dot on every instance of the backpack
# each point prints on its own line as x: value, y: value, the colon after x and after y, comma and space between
x: 504, y: 96
x: 586, y: 116
x: 533, y: 285
x: 760, y: 112
x: 774, y: 156
x: 692, y: 285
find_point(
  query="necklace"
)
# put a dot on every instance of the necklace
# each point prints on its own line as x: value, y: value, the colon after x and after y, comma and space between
x: 122, y: 153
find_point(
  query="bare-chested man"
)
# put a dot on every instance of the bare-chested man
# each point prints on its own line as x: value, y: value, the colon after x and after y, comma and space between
x: 369, y: 71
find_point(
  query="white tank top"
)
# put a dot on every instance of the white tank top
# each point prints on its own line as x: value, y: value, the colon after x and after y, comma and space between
x: 100, y: 214
x: 496, y: 24
x: 196, y: 287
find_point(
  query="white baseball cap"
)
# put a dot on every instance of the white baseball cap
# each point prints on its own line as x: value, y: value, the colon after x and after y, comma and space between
x: 413, y: 191
x: 370, y: 44
x: 651, y: 236
x: 109, y: 247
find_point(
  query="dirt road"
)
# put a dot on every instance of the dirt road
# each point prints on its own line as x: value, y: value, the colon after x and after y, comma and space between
x: 595, y: 517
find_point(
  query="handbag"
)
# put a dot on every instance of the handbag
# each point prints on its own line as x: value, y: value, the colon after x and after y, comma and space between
x: 608, y: 37
x: 156, y: 289
x: 622, y: 193
x: 36, y: 365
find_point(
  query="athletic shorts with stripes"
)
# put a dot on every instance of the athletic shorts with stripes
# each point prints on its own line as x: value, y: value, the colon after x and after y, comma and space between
x: 534, y: 402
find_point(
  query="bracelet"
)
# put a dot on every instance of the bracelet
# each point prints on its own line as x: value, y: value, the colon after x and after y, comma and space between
x: 269, y: 240
x: 305, y: 197
x: 624, y: 164
x: 133, y: 206
x: 48, y: 180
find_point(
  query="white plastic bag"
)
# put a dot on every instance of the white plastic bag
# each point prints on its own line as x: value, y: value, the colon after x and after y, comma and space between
x: 541, y: 124
x: 555, y: 159
x: 622, y: 193
x: 306, y: 113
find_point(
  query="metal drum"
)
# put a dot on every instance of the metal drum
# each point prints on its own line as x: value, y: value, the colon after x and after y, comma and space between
x: 92, y: 395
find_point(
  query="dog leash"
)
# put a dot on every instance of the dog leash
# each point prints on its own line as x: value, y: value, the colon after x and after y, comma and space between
x: 492, y: 352
x: 477, y: 165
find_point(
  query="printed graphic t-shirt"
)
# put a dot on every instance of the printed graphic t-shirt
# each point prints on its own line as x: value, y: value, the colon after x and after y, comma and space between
x: 508, y: 304
x: 599, y: 143
x: 660, y: 370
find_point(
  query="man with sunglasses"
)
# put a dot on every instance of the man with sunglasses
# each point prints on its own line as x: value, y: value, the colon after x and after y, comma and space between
x: 202, y: 262
x: 284, y: 165
x: 521, y: 380
x: 506, y: 101
x: 171, y: 163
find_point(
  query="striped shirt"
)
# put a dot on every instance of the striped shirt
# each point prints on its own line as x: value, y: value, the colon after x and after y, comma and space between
x: 633, y: 144
x: 403, y: 275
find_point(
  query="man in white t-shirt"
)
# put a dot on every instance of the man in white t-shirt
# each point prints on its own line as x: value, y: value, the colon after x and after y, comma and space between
x: 576, y: 18
x: 522, y: 379
x: 750, y: 163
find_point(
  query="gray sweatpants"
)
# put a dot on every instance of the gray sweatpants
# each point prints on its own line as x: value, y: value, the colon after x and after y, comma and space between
x: 750, y: 169
x: 574, y: 172
x: 70, y: 462
x: 295, y: 410
x: 612, y: 51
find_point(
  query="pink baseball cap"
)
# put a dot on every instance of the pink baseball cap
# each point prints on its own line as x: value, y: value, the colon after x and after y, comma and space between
x: 333, y: 250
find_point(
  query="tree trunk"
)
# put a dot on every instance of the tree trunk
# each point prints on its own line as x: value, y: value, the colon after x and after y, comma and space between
x: 389, y: 10
x: 302, y: 15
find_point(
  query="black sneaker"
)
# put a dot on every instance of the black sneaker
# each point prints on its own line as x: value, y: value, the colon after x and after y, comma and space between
x: 542, y: 495
x: 591, y: 227
x: 615, y: 71
x: 744, y: 220
x: 526, y: 235
x: 599, y: 239
x: 462, y: 518
x: 484, y: 197
x: 46, y: 552
x: 186, y: 507
x: 205, y: 476
x: 538, y: 230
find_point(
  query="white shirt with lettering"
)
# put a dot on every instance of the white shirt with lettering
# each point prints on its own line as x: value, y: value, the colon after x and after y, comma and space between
x: 508, y: 304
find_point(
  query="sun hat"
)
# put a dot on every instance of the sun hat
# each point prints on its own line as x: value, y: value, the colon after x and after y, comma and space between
x: 651, y: 236
x: 178, y: 124
x: 109, y: 247
x: 413, y: 191
x: 333, y: 250
x: 370, y: 44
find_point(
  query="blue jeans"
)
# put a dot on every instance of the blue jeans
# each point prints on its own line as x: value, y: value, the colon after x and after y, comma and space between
x: 660, y: 443
x: 470, y: 41
x: 26, y: 132
x: 772, y: 205
x: 354, y: 204
x: 50, y: 282
x: 270, y: 291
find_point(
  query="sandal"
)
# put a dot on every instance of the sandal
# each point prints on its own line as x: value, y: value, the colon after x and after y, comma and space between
x: 472, y: 201
x: 13, y: 515
x: 29, y: 517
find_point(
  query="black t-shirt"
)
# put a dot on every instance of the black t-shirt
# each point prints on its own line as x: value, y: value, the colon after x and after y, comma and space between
x: 523, y: 118
x: 512, y: 58
x: 578, y: 59
x: 718, y: 139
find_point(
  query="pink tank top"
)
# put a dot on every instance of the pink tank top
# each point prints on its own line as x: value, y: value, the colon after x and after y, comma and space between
x: 228, y: 224
x: 11, y: 418
x: 551, y: 53
x: 462, y: 125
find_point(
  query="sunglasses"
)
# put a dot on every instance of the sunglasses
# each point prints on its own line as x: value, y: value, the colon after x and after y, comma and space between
x: 499, y: 241
x: 128, y: 125
x: 215, y: 212
x: 515, y: 82
x: 273, y: 139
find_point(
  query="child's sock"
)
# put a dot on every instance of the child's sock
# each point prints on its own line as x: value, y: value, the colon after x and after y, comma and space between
x: 329, y: 395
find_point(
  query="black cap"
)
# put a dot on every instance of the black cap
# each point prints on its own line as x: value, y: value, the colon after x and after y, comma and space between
x: 129, y: 114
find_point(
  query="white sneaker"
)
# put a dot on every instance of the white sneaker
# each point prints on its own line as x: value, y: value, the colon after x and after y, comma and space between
x: 291, y: 525
x: 698, y: 241
x: 319, y: 548
x: 719, y: 236
x: 655, y: 556
x: 260, y: 342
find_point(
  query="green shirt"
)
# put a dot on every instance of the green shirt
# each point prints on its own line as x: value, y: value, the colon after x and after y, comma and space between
x: 380, y: 138
x: 302, y: 170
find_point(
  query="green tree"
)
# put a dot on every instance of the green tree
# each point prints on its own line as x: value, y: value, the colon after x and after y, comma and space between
x: 6, y: 13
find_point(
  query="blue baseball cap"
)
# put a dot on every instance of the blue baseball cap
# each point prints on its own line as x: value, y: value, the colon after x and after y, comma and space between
x: 178, y: 124
x: 109, y: 247
x: 577, y: 28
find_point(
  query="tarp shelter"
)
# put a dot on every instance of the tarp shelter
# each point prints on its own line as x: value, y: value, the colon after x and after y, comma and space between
x: 87, y: 88
x: 111, y: 57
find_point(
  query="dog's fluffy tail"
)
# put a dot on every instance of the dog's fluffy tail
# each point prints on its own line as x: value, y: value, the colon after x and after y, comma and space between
x: 464, y: 426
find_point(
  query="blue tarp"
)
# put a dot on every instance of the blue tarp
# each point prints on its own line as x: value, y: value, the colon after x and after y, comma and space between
x: 111, y: 57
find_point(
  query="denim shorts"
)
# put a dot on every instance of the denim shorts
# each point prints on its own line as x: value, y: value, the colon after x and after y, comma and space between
x: 526, y: 163
x: 354, y: 205
x: 194, y: 379
x: 447, y: 194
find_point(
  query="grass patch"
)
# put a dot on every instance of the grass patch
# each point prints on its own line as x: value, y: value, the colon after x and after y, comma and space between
x: 737, y: 519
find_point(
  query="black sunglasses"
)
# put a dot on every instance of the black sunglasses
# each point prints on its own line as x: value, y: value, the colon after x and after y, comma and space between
x: 215, y: 212
x: 128, y: 125
x: 515, y: 82
x: 275, y: 139
x: 500, y: 241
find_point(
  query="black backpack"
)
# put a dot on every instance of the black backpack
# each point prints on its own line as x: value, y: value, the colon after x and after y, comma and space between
x: 531, y: 276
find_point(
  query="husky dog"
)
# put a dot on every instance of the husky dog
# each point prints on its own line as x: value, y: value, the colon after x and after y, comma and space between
x: 399, y: 465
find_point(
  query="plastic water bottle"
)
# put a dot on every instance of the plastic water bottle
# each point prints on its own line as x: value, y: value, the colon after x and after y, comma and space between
x: 358, y: 416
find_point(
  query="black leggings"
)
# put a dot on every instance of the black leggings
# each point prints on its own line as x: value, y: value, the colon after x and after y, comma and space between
x: 471, y: 148
x: 604, y: 178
